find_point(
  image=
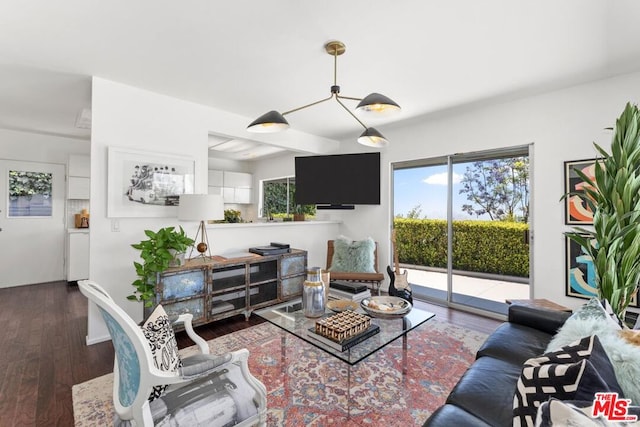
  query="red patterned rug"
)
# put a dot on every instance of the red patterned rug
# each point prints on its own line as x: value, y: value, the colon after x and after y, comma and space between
x: 311, y: 390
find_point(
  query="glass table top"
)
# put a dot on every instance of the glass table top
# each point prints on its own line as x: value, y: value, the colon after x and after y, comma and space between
x: 289, y: 316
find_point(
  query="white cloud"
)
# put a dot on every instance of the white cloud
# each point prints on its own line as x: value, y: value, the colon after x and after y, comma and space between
x: 441, y: 179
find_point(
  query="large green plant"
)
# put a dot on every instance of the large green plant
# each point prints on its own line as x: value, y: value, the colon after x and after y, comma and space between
x: 158, y: 252
x: 614, y: 197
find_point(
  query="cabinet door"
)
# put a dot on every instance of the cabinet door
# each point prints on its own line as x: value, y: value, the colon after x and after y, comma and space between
x: 215, y: 190
x: 78, y: 256
x: 79, y: 165
x: 242, y: 195
x: 78, y: 188
x: 229, y: 194
x: 292, y: 286
x: 238, y: 179
x: 290, y: 265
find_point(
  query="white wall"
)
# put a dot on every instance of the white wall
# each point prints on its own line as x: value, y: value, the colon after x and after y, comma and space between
x: 561, y: 125
x: 126, y: 116
x: 36, y: 147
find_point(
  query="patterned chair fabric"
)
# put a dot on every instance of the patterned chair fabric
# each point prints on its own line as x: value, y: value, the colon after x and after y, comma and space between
x: 207, y: 390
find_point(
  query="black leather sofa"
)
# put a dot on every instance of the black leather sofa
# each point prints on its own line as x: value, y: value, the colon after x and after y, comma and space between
x: 484, y: 394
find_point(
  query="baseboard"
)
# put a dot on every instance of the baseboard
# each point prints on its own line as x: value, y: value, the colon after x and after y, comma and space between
x: 97, y: 340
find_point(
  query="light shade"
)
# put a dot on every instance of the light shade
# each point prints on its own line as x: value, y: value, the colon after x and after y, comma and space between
x: 377, y: 103
x: 272, y: 121
x: 200, y: 207
x: 372, y: 138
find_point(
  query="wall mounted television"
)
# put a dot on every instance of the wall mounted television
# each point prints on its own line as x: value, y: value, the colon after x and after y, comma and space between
x: 338, y: 181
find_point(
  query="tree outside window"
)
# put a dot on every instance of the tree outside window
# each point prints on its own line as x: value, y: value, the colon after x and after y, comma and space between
x: 279, y: 199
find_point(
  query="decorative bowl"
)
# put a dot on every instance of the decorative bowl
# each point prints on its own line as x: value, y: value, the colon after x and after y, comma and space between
x: 386, y: 307
x: 339, y: 305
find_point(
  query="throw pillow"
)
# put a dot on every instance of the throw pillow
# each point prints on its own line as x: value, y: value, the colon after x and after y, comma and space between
x: 351, y: 256
x: 576, y: 372
x: 590, y: 319
x: 164, y: 347
x: 625, y: 358
x: 577, y: 413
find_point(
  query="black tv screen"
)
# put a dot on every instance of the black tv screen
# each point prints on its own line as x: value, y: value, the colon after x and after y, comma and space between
x: 342, y: 179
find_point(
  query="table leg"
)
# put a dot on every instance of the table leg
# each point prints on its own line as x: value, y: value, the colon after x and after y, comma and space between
x: 348, y: 391
x: 404, y: 356
x: 283, y: 352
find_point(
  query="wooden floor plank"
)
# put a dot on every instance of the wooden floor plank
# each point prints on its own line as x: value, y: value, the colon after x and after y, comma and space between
x: 45, y: 352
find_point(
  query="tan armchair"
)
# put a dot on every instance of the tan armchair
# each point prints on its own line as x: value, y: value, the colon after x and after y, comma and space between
x: 374, y: 278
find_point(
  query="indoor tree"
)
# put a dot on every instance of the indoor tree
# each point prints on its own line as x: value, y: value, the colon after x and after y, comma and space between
x: 613, y: 195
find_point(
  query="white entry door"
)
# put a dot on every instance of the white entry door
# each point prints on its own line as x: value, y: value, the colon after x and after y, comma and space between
x: 32, y: 197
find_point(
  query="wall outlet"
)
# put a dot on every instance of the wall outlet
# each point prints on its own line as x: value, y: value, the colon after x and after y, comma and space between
x: 115, y: 226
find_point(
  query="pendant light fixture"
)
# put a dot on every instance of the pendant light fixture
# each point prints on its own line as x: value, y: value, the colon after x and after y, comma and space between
x: 374, y: 103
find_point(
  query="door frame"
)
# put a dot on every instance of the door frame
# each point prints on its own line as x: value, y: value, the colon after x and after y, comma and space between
x: 449, y: 161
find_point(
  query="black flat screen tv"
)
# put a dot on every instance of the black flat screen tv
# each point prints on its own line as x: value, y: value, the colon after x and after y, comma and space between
x: 338, y: 181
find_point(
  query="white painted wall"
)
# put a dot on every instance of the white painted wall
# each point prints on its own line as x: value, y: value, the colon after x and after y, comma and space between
x: 561, y: 125
x: 36, y: 147
x: 126, y: 116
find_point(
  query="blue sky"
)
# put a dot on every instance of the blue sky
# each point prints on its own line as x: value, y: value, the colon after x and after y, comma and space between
x: 427, y: 186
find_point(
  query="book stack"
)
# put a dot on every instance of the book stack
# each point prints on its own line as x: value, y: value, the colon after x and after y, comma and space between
x: 349, y: 291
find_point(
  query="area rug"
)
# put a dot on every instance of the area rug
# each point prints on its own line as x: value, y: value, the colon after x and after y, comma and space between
x: 309, y: 387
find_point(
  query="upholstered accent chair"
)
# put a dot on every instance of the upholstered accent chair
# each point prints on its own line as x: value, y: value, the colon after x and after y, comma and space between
x: 206, y: 390
x: 374, y: 277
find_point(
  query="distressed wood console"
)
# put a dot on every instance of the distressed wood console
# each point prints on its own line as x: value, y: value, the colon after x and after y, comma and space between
x: 216, y: 288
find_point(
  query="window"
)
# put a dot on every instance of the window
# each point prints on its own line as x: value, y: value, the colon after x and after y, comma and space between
x: 30, y: 193
x: 278, y: 199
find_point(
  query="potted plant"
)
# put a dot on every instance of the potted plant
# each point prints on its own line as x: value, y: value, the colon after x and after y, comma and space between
x: 163, y: 249
x: 232, y: 216
x: 298, y: 213
x: 614, y: 198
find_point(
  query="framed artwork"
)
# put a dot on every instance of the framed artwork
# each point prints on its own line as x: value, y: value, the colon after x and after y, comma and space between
x: 577, y: 211
x: 581, y: 275
x: 580, y: 271
x: 147, y: 184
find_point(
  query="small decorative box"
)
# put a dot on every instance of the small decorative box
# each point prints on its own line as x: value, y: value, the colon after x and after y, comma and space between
x: 343, y: 325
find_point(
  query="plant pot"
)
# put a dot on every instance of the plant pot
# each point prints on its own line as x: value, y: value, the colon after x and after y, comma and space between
x: 178, y: 258
x: 298, y: 217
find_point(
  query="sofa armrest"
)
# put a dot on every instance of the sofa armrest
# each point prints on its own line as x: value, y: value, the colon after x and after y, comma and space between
x: 548, y: 321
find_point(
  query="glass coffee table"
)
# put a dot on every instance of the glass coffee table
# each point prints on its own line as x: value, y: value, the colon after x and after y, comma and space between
x: 289, y: 317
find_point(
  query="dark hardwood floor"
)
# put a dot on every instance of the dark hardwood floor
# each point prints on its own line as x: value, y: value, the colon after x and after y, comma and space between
x: 43, y: 350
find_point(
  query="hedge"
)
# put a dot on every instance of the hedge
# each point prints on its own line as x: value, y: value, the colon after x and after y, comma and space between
x: 480, y: 246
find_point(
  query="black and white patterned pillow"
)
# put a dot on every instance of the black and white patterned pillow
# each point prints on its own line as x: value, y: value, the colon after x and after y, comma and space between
x: 164, y: 347
x: 575, y: 372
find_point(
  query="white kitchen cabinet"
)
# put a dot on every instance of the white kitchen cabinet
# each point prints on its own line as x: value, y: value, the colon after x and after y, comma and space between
x: 242, y: 195
x: 78, y: 188
x: 77, y: 255
x: 235, y: 187
x: 78, y: 179
x: 237, y: 179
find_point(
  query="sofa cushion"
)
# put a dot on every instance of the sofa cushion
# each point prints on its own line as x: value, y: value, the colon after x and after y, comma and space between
x: 450, y: 415
x: 486, y: 390
x: 577, y: 371
x: 514, y: 343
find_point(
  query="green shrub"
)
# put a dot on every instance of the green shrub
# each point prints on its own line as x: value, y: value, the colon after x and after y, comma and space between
x: 479, y: 246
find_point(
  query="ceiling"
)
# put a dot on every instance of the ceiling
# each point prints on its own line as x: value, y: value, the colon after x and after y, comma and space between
x: 249, y: 57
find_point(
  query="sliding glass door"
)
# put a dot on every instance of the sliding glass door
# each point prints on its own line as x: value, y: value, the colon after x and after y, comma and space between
x: 462, y: 227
